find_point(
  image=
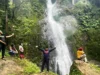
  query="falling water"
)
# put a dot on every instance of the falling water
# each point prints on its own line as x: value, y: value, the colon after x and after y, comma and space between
x: 55, y: 33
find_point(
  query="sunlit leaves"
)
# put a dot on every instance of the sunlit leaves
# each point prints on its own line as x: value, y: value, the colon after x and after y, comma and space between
x: 11, y: 5
x: 83, y: 4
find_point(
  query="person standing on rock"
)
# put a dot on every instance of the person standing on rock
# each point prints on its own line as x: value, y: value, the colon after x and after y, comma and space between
x: 3, y: 42
x: 45, y: 61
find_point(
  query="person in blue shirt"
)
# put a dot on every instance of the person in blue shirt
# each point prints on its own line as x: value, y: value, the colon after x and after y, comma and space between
x: 13, y: 51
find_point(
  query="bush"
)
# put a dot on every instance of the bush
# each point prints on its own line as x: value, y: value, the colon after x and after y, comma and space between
x: 75, y: 70
x: 29, y: 67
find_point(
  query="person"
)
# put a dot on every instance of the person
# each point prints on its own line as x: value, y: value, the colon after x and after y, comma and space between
x: 13, y: 50
x: 3, y: 42
x: 81, y: 54
x: 21, y: 49
x: 45, y: 60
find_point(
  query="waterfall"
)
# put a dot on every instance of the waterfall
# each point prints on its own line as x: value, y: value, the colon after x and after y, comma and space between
x: 55, y: 33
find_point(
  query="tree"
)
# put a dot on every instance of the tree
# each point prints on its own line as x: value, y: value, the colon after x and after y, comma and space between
x: 73, y: 2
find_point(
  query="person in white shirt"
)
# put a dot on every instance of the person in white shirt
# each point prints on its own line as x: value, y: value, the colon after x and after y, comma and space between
x: 21, y: 49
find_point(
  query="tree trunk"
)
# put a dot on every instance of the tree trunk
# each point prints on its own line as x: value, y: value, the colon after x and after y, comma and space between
x: 6, y: 17
x: 6, y: 22
x: 73, y: 2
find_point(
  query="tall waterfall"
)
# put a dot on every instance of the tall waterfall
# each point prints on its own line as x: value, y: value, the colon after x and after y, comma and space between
x: 55, y: 32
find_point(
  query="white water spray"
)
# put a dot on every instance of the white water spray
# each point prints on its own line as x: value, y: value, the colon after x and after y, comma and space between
x: 55, y: 33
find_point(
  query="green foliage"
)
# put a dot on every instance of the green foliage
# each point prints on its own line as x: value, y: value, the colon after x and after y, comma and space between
x: 93, y: 44
x: 95, y: 2
x: 96, y: 67
x: 24, y: 17
x: 87, y: 33
x: 6, y: 54
x: 75, y: 70
x: 83, y: 4
x: 29, y: 67
x: 89, y: 22
x: 11, y: 5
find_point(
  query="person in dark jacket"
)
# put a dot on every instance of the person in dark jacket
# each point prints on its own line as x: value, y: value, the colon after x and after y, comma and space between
x: 3, y: 42
x: 46, y: 53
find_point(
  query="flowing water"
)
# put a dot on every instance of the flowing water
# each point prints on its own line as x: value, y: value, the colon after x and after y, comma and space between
x: 55, y: 33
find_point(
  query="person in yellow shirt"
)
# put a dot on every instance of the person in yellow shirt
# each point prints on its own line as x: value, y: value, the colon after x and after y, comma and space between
x: 81, y: 54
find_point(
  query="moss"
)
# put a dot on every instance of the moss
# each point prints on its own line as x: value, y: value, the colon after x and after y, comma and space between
x: 28, y: 66
x: 96, y: 67
x: 75, y: 70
